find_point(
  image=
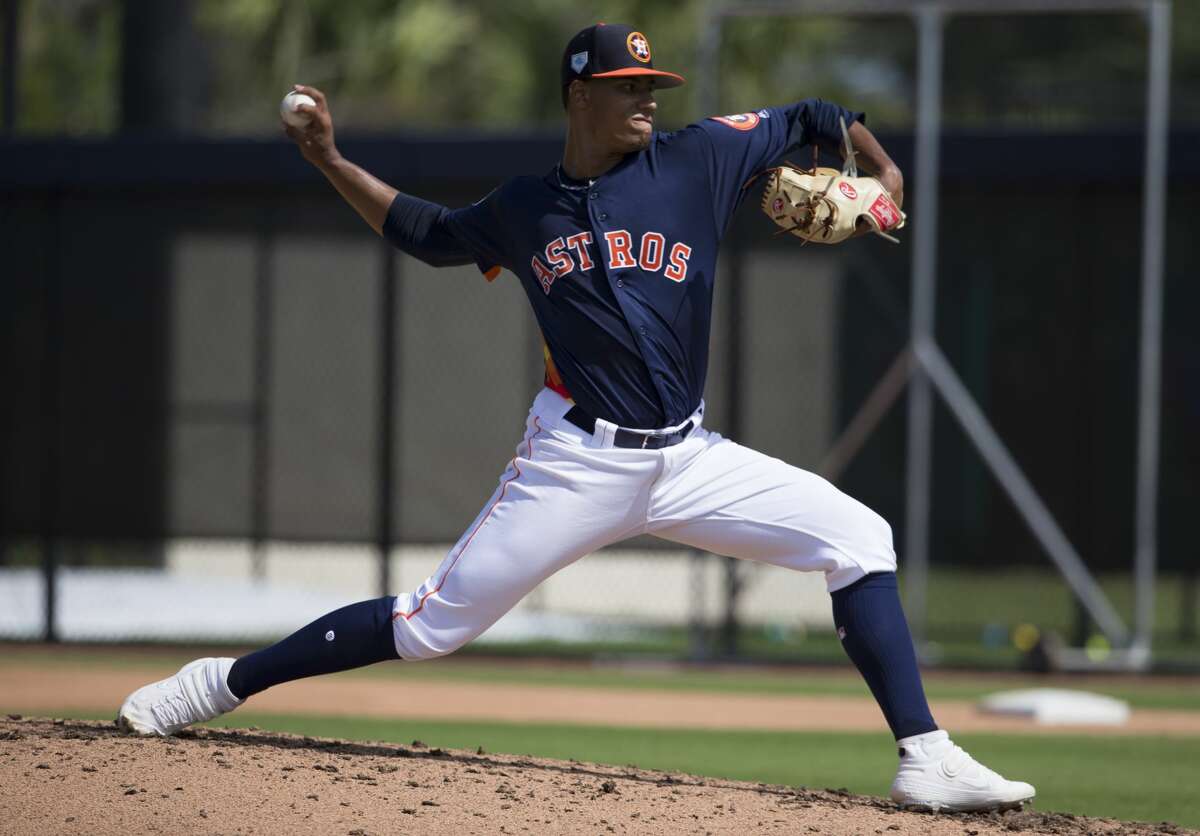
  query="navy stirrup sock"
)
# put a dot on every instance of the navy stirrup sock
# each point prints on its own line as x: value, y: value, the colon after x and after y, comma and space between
x: 874, y: 634
x: 354, y: 636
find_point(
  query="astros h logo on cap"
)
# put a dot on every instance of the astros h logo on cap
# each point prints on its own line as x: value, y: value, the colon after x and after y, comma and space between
x: 639, y: 47
x: 611, y: 50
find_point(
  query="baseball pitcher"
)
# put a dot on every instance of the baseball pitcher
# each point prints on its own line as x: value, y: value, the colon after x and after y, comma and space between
x: 616, y: 249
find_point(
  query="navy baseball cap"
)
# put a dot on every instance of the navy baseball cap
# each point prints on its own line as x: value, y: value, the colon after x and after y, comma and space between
x: 611, y: 50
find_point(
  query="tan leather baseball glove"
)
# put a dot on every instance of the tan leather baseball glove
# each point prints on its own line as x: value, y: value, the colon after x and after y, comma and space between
x: 824, y: 205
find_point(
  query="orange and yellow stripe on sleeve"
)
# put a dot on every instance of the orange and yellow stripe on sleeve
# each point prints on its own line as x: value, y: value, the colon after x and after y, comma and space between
x: 553, y: 379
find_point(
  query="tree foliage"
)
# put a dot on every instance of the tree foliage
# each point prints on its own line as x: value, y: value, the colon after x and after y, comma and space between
x: 492, y: 65
x: 69, y: 64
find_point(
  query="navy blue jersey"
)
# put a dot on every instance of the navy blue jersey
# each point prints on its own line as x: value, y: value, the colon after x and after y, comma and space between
x: 619, y: 270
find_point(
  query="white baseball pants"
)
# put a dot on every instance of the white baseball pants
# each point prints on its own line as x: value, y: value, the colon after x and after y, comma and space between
x: 567, y: 493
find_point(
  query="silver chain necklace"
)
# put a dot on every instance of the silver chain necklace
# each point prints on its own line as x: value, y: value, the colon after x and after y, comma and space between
x: 558, y: 172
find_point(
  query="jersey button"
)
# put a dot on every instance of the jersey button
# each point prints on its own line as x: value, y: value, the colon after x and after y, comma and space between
x: 620, y: 283
x: 643, y: 330
x: 594, y: 195
x: 604, y: 216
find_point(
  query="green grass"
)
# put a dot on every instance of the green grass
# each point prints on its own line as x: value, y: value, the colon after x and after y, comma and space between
x: 1133, y: 778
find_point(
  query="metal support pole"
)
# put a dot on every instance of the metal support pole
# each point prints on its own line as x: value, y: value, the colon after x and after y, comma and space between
x: 1029, y: 505
x: 709, y: 97
x: 864, y: 423
x: 848, y: 8
x: 923, y: 317
x: 698, y: 644
x: 708, y: 64
x: 52, y: 409
x: 737, y: 394
x: 387, y: 416
x: 1150, y: 367
x: 263, y: 321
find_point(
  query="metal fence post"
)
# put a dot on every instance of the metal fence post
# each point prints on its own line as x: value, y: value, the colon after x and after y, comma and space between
x: 52, y: 424
x: 709, y: 96
x: 924, y: 298
x: 263, y: 331
x: 736, y: 255
x: 387, y: 416
x: 1150, y: 366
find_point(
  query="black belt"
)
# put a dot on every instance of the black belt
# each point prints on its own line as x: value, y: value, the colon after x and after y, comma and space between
x: 629, y: 438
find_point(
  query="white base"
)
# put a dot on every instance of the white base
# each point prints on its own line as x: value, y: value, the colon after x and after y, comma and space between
x: 1058, y: 707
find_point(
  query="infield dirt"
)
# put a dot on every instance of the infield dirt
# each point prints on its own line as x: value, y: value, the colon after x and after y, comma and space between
x: 69, y: 776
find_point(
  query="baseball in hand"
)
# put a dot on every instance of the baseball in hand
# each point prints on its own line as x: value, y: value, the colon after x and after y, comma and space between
x: 287, y: 109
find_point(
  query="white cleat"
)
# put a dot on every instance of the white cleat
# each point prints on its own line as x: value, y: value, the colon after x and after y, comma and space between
x: 937, y: 776
x: 195, y: 694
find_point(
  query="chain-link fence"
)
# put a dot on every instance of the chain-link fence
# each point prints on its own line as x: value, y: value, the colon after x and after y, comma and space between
x: 226, y: 400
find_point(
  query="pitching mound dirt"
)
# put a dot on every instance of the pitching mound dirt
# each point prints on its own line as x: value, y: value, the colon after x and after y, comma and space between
x: 81, y: 777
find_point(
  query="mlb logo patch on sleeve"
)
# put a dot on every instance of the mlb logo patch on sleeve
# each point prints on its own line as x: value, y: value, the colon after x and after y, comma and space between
x: 739, y: 121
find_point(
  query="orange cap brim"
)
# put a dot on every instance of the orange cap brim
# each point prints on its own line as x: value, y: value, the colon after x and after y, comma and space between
x: 665, y: 79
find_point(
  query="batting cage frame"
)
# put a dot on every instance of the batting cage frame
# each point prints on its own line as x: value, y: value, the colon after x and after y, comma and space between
x: 925, y: 369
